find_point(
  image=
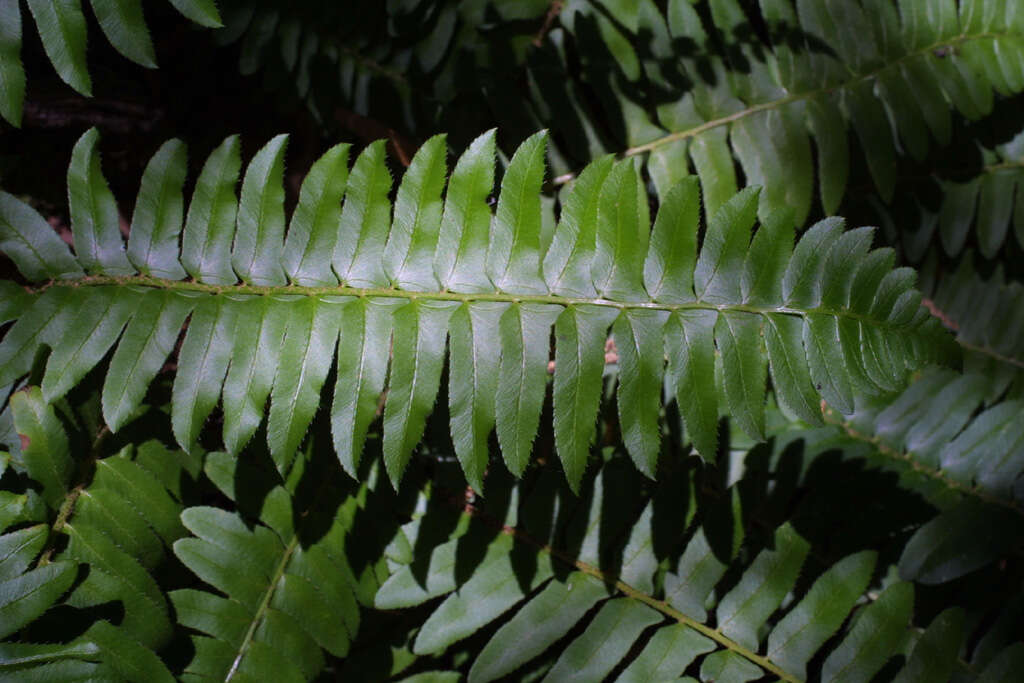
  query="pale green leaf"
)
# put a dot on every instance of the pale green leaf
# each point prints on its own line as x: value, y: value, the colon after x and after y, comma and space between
x: 306, y: 358
x: 717, y: 275
x: 638, y: 338
x: 826, y: 363
x: 548, y: 616
x: 483, y: 598
x: 313, y: 230
x: 126, y: 655
x: 25, y: 597
x: 97, y: 325
x: 62, y: 29
x: 44, y: 449
x: 420, y: 331
x: 475, y: 353
x: 254, y: 362
x: 567, y: 264
x: 365, y: 221
x: 689, y: 345
x: 145, y: 345
x: 513, y: 257
x: 125, y: 28
x: 606, y: 640
x: 466, y: 222
x: 210, y: 224
x: 94, y: 215
x: 622, y: 236
x: 412, y: 243
x: 365, y: 330
x: 791, y: 378
x: 202, y: 363
x: 32, y: 244
x: 874, y: 638
x: 259, y: 239
x: 764, y: 585
x: 668, y: 270
x: 19, y: 548
x: 525, y: 330
x: 819, y: 613
x: 667, y: 653
x: 738, y: 336
x: 156, y: 223
x: 580, y: 335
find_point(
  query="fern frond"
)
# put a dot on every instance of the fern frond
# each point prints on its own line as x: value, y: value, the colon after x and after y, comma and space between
x: 990, y: 202
x: 114, y: 517
x: 986, y: 316
x: 558, y: 591
x: 412, y: 58
x: 63, y: 30
x: 285, y: 601
x: 977, y: 458
x: 829, y: 317
x: 891, y: 74
x: 967, y: 199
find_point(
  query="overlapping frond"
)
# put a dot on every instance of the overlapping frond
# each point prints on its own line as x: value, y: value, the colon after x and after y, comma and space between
x: 562, y: 590
x: 942, y: 428
x: 367, y: 283
x: 62, y: 28
x: 390, y: 60
x: 105, y: 527
x: 704, y: 85
x: 986, y: 316
x: 979, y: 208
x: 284, y: 599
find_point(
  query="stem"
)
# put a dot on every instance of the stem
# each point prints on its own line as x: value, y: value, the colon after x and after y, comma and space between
x: 86, y: 469
x: 257, y: 618
x: 833, y: 418
x: 631, y: 592
x: 341, y: 290
x: 946, y: 320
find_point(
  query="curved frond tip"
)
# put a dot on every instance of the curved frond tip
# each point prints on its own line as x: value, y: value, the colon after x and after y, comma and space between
x: 358, y: 283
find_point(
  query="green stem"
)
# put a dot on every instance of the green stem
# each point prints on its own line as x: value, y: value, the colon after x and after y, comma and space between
x: 86, y: 469
x: 257, y: 618
x: 636, y: 594
x: 341, y: 290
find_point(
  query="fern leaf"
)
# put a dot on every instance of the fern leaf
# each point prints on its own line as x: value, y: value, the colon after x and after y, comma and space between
x: 61, y: 26
x: 412, y: 241
x: 466, y: 223
x: 314, y: 225
x: 286, y: 600
x: 818, y: 332
x: 975, y: 456
x: 259, y: 239
x: 63, y: 31
x: 125, y: 28
x: 38, y: 252
x: 156, y: 223
x: 934, y: 652
x: 206, y: 241
x: 985, y: 316
x: 12, y: 73
x: 762, y: 101
x: 28, y: 595
x: 117, y: 515
x: 600, y: 594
